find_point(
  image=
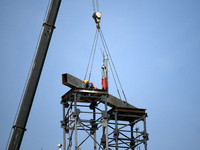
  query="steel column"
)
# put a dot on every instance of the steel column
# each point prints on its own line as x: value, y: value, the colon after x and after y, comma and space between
x: 75, y: 111
x: 132, y: 142
x: 116, y: 130
x: 145, y: 134
x: 104, y: 97
x: 94, y: 117
x: 64, y: 132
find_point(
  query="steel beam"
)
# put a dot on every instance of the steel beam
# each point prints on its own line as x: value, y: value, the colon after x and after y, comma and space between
x: 116, y: 102
x: 72, y: 81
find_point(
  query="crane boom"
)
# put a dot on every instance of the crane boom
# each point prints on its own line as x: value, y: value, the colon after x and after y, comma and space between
x: 28, y: 97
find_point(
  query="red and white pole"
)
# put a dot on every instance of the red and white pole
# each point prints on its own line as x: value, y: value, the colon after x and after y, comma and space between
x: 104, y: 73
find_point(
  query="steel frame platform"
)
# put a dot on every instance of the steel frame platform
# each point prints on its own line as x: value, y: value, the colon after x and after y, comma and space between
x: 104, y: 119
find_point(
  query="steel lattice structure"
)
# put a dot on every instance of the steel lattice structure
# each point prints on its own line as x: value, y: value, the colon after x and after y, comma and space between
x: 94, y: 115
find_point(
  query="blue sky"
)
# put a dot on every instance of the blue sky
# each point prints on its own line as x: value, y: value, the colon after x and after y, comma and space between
x: 155, y: 46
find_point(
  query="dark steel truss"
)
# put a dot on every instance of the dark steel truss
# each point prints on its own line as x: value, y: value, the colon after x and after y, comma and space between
x: 89, y: 118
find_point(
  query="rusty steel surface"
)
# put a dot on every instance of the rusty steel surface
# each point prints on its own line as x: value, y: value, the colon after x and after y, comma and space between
x: 111, y: 100
x: 127, y: 112
x: 72, y: 81
x: 79, y: 86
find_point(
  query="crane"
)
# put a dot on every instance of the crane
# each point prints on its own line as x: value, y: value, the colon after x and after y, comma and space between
x: 20, y: 125
x: 48, y: 27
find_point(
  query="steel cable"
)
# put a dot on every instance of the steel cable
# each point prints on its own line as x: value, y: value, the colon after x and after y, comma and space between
x: 93, y: 56
x: 103, y: 39
x: 93, y: 4
x: 90, y: 54
x: 95, y: 8
x: 97, y: 3
x: 111, y: 68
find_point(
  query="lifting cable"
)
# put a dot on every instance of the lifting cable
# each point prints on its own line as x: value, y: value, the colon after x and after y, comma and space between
x: 111, y: 69
x: 93, y: 55
x: 97, y: 5
x: 90, y: 54
x: 93, y: 50
x: 99, y: 32
x: 112, y: 73
x: 107, y: 51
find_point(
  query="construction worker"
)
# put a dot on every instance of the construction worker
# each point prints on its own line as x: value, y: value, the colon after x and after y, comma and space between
x: 89, y: 84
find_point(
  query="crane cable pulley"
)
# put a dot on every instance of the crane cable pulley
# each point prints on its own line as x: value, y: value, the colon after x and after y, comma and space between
x: 97, y: 14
